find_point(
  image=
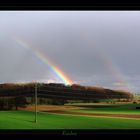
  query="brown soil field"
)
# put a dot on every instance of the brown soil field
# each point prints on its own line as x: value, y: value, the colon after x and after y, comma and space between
x: 96, y: 114
x: 49, y: 107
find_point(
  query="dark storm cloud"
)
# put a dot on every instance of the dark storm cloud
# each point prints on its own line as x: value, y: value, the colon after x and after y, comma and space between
x: 75, y: 41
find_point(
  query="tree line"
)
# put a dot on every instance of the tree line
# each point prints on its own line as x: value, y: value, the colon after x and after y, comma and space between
x: 12, y: 103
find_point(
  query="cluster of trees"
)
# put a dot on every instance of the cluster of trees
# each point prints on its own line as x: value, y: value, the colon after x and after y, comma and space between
x: 47, y: 101
x: 10, y: 103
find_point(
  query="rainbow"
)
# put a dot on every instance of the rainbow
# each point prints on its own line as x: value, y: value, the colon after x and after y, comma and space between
x: 115, y: 71
x: 44, y: 58
x: 111, y: 66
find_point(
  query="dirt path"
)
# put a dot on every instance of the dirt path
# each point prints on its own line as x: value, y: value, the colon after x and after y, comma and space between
x: 49, y: 107
x: 132, y: 116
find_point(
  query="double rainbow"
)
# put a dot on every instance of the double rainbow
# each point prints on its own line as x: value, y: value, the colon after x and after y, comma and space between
x: 114, y: 70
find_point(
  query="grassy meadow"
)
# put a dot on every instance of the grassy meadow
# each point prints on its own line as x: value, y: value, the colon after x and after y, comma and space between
x: 45, y: 120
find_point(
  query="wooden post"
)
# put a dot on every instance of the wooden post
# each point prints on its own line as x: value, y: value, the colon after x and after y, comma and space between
x: 35, y: 102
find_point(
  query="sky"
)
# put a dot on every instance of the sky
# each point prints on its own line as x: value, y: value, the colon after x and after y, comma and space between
x: 93, y: 48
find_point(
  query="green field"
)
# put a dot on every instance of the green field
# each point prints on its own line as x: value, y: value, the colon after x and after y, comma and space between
x: 115, y: 109
x: 25, y: 120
